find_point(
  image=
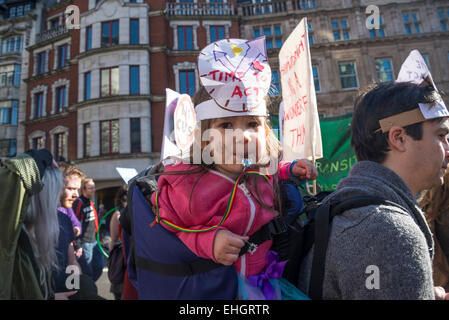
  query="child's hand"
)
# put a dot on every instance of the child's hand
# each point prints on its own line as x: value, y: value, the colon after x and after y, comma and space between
x: 305, y: 170
x: 227, y: 246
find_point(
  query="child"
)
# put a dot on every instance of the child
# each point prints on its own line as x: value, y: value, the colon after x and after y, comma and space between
x: 224, y: 200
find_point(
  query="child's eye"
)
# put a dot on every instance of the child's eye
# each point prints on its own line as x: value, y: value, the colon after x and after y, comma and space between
x: 253, y: 124
x: 225, y: 125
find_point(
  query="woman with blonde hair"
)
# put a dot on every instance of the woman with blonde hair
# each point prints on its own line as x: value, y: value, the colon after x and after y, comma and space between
x: 435, y: 204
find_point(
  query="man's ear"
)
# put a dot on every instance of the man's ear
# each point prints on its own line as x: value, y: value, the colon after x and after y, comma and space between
x: 397, y: 138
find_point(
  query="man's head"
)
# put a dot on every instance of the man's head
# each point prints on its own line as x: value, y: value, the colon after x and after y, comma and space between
x: 417, y: 152
x: 72, y: 179
x: 88, y: 188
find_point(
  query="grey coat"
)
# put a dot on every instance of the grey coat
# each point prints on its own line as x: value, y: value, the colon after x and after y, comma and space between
x: 378, y: 251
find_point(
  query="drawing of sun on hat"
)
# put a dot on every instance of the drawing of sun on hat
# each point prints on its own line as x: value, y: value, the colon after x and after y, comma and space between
x: 236, y: 74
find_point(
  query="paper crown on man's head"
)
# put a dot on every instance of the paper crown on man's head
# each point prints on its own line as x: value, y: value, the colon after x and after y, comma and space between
x: 415, y: 70
x: 237, y: 76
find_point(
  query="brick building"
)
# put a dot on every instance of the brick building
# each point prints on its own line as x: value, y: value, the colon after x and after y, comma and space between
x: 52, y: 86
x: 96, y: 95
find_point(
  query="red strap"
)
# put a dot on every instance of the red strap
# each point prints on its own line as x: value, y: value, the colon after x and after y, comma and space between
x: 78, y: 209
x: 96, y: 215
x: 123, y: 244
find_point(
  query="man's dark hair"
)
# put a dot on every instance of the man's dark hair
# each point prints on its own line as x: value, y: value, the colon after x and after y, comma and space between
x: 381, y: 101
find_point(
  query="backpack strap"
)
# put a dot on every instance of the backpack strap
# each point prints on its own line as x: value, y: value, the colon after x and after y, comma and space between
x: 267, y: 232
x: 323, y: 217
x: 79, y: 203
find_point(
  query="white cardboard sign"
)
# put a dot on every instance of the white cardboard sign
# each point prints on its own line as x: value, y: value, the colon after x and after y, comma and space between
x: 302, y: 133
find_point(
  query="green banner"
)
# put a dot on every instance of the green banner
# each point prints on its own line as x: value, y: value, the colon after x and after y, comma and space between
x: 338, y: 155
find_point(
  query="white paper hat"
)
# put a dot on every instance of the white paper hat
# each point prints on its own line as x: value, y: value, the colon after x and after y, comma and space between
x: 415, y: 70
x: 237, y: 76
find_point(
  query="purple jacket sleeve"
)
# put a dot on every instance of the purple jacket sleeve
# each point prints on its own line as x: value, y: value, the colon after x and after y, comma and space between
x: 73, y: 219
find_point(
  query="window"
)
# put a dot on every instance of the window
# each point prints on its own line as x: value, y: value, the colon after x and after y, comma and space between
x: 411, y: 22
x: 135, y: 135
x: 18, y: 11
x: 62, y: 55
x: 384, y: 70
x: 340, y: 29
x: 443, y: 15
x: 9, y: 112
x: 378, y: 33
x: 87, y: 86
x: 109, y: 137
x: 60, y: 143
x: 109, y: 82
x: 134, y: 31
x: 38, y: 105
x: 60, y: 101
x: 41, y: 62
x: 273, y: 35
x: 87, y: 139
x: 5, y: 115
x: 310, y: 31
x: 134, y: 80
x: 275, y: 88
x: 37, y: 143
x: 306, y: 4
x: 88, y: 38
x: 109, y: 33
x: 216, y: 33
x: 12, y: 12
x: 54, y: 23
x: 10, y: 75
x: 13, y: 44
x: 316, y: 78
x: 8, y: 148
x: 187, y: 82
x: 185, y: 38
x: 348, y: 75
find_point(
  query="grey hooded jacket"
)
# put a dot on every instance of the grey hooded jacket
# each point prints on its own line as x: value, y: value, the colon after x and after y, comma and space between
x: 377, y: 251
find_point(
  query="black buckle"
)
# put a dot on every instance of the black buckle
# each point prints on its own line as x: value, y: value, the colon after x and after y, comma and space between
x: 276, y: 227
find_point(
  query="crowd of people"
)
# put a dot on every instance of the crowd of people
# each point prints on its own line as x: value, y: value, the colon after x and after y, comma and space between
x: 205, y: 230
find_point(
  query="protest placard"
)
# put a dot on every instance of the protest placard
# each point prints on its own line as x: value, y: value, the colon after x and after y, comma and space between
x: 301, y: 128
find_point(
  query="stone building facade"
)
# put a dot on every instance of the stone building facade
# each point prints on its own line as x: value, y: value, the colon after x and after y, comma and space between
x: 346, y: 55
x: 18, y: 24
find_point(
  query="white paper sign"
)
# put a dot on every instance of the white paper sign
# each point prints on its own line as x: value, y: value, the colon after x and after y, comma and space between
x: 127, y: 173
x: 169, y: 147
x: 415, y: 70
x: 302, y: 133
x: 185, y: 123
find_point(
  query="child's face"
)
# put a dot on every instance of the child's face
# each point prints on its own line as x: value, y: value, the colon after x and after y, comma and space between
x: 236, y: 139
